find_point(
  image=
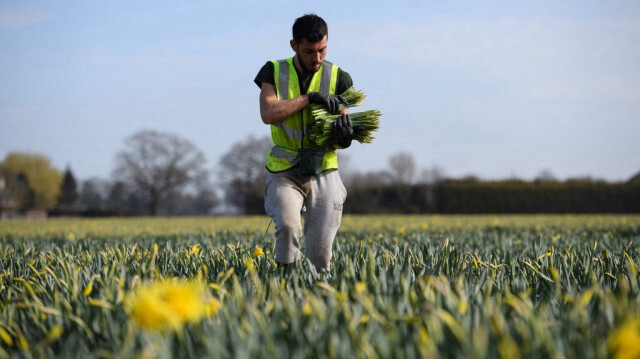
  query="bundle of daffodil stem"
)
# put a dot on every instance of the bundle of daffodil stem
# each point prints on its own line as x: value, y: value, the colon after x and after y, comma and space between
x: 364, y: 122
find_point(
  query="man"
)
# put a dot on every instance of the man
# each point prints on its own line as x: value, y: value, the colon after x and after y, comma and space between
x: 300, y: 175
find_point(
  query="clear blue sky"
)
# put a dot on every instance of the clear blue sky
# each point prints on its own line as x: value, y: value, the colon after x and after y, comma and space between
x: 491, y: 88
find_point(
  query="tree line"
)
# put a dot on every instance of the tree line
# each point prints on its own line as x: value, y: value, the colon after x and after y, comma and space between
x: 163, y: 174
x: 472, y: 196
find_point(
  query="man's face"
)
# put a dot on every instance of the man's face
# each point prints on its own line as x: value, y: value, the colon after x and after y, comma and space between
x: 310, y: 54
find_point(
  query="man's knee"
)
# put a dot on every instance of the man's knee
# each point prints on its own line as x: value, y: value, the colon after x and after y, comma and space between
x: 288, y: 243
x: 320, y: 259
x: 289, y: 232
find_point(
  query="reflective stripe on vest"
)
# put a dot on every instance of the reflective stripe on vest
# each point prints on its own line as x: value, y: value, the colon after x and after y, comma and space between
x: 282, y: 153
x: 283, y: 78
x: 287, y: 135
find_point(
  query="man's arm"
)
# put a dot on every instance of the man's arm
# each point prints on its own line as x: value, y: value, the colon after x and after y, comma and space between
x: 273, y: 110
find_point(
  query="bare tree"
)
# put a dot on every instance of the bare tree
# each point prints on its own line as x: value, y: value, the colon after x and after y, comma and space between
x: 243, y: 172
x: 432, y: 175
x: 403, y: 167
x: 246, y: 159
x: 93, y: 192
x: 157, y: 164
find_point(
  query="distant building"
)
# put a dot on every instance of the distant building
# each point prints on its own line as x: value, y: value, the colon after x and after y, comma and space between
x: 36, y: 213
x: 635, y: 179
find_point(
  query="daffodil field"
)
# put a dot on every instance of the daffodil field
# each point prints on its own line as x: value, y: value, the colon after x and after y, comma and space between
x: 399, y: 286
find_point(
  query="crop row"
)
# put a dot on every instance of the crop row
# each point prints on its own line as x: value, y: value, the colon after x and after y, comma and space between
x: 400, y: 289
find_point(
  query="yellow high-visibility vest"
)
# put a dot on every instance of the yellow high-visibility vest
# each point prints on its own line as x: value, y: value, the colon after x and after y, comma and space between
x: 288, y: 135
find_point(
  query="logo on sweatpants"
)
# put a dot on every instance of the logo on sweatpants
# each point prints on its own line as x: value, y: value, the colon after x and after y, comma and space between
x: 337, y: 206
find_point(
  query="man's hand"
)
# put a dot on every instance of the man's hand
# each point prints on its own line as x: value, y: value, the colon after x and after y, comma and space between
x: 343, y: 131
x: 331, y: 102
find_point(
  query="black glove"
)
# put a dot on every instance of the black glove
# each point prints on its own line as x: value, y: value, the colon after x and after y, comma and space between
x: 343, y: 131
x: 331, y: 102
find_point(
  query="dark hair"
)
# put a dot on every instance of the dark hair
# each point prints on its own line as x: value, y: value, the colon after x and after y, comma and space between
x: 310, y: 27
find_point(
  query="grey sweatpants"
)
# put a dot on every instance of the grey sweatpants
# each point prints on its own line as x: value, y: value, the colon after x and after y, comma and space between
x: 322, y: 196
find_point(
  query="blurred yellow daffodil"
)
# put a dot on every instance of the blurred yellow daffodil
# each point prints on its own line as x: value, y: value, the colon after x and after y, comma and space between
x: 169, y: 304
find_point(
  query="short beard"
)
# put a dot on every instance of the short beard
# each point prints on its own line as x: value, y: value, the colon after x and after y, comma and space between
x: 304, y: 67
